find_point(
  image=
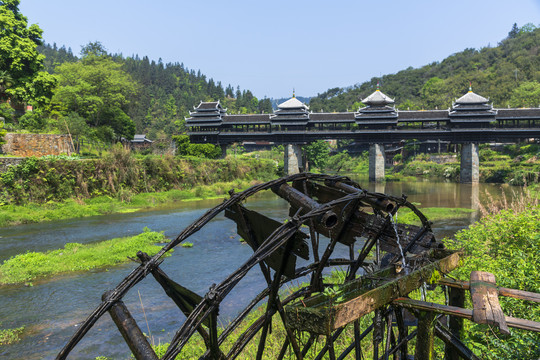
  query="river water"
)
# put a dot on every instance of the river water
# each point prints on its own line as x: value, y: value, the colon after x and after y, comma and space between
x: 51, y: 310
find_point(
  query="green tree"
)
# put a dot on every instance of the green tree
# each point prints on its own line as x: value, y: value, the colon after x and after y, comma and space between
x: 434, y: 93
x: 2, y: 131
x: 317, y: 154
x: 99, y: 90
x: 186, y: 148
x: 6, y: 81
x: 526, y: 95
x: 19, y: 59
x: 514, y: 32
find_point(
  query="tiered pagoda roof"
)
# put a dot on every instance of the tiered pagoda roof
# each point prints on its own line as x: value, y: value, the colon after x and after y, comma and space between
x: 471, y: 108
x: 291, y: 112
x: 206, y: 114
x: 379, y: 110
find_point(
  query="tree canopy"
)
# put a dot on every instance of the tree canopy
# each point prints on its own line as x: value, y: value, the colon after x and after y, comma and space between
x: 317, y: 154
x: 166, y: 93
x: 20, y: 62
x: 97, y: 89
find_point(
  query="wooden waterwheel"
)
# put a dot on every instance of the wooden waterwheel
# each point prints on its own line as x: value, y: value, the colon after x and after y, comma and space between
x: 327, y: 317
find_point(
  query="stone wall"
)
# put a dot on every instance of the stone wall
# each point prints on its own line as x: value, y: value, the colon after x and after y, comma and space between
x: 25, y: 145
x: 7, y: 162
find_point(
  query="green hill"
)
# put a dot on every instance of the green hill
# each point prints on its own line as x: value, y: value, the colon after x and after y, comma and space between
x: 509, y: 74
x: 164, y: 92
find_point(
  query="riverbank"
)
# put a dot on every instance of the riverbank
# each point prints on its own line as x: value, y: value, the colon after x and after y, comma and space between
x: 120, y: 174
x: 75, y: 257
x: 11, y: 214
x: 62, y: 187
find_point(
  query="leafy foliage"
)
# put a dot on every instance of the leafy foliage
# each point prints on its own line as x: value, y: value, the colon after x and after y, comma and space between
x: 20, y: 61
x: 119, y: 174
x: 186, y: 148
x: 506, y: 244
x: 317, y: 154
x: 165, y: 94
x: 2, y: 133
x: 97, y: 89
x: 10, y: 336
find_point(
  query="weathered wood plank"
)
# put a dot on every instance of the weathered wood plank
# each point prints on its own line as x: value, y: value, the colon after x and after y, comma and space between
x: 361, y: 297
x: 513, y: 293
x: 464, y: 313
x: 485, y: 299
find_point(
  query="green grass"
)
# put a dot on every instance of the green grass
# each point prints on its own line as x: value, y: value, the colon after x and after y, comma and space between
x: 10, y: 336
x: 75, y: 257
x: 406, y: 216
x: 102, y: 205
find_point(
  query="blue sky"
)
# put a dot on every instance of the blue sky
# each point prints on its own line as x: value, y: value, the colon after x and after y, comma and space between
x: 273, y: 47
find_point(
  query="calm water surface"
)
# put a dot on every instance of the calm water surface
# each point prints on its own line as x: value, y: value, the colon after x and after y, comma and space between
x: 52, y: 310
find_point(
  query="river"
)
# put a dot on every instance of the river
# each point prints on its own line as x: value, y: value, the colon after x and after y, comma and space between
x: 51, y: 310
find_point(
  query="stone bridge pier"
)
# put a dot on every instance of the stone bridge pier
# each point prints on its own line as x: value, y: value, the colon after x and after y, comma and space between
x: 294, y: 161
x: 376, y: 163
x: 470, y: 164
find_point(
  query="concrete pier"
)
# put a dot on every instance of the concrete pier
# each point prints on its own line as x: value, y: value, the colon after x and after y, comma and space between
x: 376, y: 163
x: 470, y: 164
x: 293, y: 159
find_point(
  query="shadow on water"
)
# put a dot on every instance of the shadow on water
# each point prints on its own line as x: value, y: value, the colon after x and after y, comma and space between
x: 51, y: 310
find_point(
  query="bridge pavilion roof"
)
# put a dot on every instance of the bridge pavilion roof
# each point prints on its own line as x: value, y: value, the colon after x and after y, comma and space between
x: 378, y: 98
x: 293, y: 103
x: 291, y: 112
x: 206, y: 114
x: 471, y: 108
x: 379, y: 110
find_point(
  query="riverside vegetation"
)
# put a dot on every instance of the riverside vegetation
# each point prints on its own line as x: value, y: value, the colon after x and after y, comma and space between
x: 58, y: 187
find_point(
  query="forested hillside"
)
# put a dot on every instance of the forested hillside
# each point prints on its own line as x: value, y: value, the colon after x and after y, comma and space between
x: 162, y: 95
x: 508, y: 74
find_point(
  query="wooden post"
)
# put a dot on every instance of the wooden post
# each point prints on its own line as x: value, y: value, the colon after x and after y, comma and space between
x: 485, y: 299
x: 378, y: 331
x: 403, y: 332
x: 456, y: 298
x: 426, y: 336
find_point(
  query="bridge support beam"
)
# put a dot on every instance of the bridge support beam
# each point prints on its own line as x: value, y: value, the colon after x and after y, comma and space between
x: 293, y: 159
x: 470, y: 164
x: 376, y: 162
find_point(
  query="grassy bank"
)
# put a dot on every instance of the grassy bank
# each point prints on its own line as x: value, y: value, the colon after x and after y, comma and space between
x: 121, y: 175
x: 12, y: 214
x: 74, y: 257
x: 434, y: 214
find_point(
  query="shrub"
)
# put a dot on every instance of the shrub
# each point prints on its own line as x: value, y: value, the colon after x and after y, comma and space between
x: 506, y: 244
